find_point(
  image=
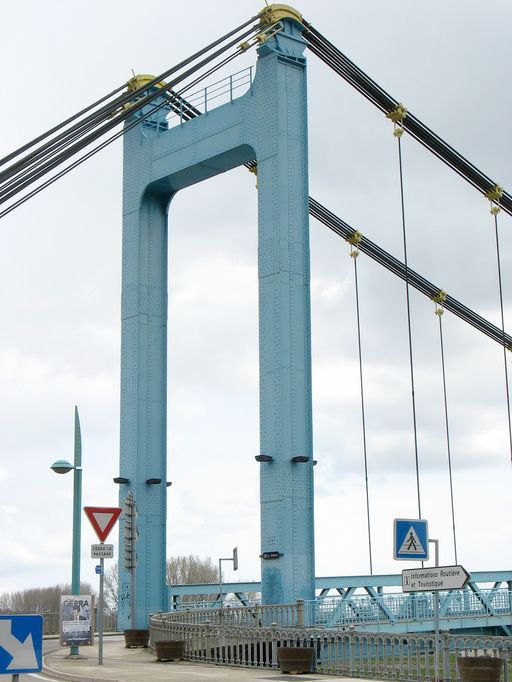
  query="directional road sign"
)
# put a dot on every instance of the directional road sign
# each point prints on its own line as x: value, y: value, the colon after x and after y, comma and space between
x: 410, y: 539
x: 434, y: 579
x: 102, y: 519
x: 21, y: 644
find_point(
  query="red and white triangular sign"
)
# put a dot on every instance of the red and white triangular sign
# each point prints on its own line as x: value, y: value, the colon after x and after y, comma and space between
x: 102, y: 519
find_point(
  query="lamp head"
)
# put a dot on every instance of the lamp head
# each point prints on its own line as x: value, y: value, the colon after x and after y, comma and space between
x: 62, y: 466
x: 264, y: 458
x: 121, y: 480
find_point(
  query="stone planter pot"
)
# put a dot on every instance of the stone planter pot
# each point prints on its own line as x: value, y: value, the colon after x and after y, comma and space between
x: 170, y: 651
x: 479, y: 668
x: 295, y: 659
x: 136, y: 637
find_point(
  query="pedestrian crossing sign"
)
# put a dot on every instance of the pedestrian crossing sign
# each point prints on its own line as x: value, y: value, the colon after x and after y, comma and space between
x: 410, y: 539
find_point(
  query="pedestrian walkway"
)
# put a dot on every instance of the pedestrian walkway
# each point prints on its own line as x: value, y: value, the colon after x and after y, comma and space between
x: 140, y: 665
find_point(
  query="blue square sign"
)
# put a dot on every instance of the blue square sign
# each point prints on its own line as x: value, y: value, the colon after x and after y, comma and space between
x: 410, y: 539
x: 21, y: 644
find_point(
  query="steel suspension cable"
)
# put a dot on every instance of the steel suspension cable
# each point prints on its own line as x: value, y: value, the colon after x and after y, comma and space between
x: 63, y: 143
x: 44, y: 155
x: 439, y: 310
x: 344, y: 230
x: 63, y: 156
x: 192, y: 113
x: 398, y: 134
x: 337, y: 61
x: 107, y: 111
x: 40, y: 138
x: 354, y: 253
x: 495, y: 211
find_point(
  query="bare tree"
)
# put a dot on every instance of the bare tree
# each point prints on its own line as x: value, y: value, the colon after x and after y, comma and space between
x: 38, y: 599
x: 191, y: 569
x: 111, y: 587
x: 180, y: 570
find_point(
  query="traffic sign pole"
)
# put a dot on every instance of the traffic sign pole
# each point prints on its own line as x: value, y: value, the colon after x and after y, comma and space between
x: 100, y: 616
x: 102, y: 519
x: 435, y: 597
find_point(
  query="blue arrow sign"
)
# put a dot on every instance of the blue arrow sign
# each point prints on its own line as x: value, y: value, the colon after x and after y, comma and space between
x: 410, y: 539
x: 21, y: 644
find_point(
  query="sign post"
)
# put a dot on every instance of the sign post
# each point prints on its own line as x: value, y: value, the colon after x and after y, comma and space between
x: 234, y: 559
x: 102, y: 519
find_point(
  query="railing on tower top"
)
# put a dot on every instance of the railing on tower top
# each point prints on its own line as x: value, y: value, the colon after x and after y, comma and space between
x: 213, y: 95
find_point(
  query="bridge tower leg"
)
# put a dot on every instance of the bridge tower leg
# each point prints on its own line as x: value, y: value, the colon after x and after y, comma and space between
x: 269, y: 124
x: 286, y: 486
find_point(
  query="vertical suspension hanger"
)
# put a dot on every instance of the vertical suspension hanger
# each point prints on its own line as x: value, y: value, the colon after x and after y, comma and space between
x: 439, y: 299
x: 354, y: 240
x: 494, y: 195
x: 397, y: 115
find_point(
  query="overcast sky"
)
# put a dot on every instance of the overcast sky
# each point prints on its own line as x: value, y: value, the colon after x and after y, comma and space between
x: 60, y: 271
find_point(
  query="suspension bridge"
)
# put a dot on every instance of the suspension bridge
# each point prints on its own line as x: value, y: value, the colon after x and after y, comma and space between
x: 185, y: 126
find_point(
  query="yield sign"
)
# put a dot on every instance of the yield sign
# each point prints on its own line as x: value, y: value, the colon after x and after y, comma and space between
x: 102, y: 519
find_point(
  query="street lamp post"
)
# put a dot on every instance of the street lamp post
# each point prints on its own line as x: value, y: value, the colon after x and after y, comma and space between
x: 63, y: 467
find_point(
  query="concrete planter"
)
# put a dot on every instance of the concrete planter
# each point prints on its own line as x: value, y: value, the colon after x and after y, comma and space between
x: 295, y: 659
x: 136, y: 637
x: 479, y: 668
x: 170, y: 651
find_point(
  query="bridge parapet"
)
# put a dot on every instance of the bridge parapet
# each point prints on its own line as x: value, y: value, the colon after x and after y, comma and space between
x: 337, y: 652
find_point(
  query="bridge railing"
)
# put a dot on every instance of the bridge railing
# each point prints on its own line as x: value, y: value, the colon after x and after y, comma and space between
x: 213, y: 95
x: 348, y: 654
x: 402, y: 608
x: 287, y: 615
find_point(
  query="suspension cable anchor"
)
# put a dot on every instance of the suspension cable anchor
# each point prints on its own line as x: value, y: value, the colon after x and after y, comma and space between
x: 354, y: 240
x: 273, y: 13
x: 494, y: 195
x: 138, y: 82
x: 439, y: 300
x: 397, y: 115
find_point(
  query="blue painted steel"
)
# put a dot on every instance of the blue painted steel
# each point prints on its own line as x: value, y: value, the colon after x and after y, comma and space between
x: 362, y: 602
x: 21, y: 644
x: 340, y: 584
x: 407, y: 533
x: 269, y: 124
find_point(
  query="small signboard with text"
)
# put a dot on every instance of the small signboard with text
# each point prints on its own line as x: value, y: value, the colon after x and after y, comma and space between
x: 434, y: 579
x: 76, y: 626
x: 102, y: 551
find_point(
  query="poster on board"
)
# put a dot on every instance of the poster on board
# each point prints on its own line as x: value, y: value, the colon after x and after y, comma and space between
x: 76, y: 614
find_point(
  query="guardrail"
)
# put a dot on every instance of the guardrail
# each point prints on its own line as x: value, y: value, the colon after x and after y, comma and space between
x: 350, y: 654
x: 287, y: 615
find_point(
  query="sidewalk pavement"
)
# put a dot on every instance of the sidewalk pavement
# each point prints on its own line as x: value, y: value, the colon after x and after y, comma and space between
x: 140, y: 665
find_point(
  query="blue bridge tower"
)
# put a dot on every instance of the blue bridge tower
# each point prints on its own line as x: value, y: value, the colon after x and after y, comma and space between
x: 267, y: 124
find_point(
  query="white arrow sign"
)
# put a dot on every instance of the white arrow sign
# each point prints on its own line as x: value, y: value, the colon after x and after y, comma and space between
x: 434, y: 579
x: 23, y: 653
